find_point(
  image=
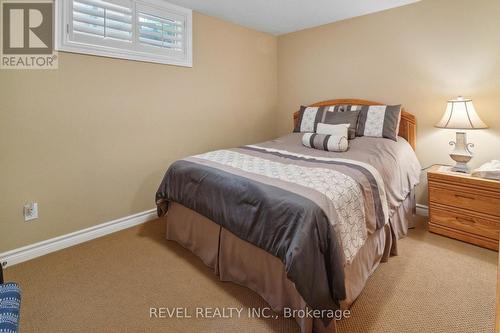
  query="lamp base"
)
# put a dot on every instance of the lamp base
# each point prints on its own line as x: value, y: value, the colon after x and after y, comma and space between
x: 461, y: 167
x: 461, y: 154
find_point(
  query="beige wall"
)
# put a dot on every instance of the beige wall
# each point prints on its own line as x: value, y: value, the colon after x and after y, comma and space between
x: 91, y: 141
x: 419, y: 55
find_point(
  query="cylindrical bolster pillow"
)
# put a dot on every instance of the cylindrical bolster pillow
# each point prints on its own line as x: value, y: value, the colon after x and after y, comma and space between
x: 337, y: 143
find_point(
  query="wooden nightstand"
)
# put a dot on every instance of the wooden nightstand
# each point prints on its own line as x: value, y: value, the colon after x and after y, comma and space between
x: 464, y: 207
x: 498, y: 296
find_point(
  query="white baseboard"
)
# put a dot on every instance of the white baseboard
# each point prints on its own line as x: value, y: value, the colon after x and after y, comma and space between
x: 422, y: 210
x: 32, y: 251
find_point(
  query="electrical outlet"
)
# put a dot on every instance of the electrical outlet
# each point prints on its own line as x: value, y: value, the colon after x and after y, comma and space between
x: 30, y: 211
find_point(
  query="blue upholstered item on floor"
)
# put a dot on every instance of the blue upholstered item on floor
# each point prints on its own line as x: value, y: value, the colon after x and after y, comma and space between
x: 10, y: 303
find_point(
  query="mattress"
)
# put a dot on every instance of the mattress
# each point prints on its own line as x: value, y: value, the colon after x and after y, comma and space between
x: 314, y: 211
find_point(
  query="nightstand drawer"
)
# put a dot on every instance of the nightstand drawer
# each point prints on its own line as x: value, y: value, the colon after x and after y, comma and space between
x: 452, y: 196
x: 470, y: 223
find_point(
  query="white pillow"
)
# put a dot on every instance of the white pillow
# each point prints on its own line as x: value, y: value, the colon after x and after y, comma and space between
x: 329, y: 129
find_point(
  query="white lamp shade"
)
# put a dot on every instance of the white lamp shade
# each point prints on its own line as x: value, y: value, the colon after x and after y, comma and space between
x: 461, y: 114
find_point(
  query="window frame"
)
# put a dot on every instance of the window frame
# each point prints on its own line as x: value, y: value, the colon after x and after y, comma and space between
x: 66, y: 44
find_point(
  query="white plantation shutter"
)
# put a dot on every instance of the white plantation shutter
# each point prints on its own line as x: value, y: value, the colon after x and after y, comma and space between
x: 160, y: 32
x: 147, y: 30
x: 104, y: 19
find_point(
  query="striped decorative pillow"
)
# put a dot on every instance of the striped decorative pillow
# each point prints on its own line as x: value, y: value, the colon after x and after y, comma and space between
x: 310, y: 117
x: 335, y: 143
x: 381, y: 121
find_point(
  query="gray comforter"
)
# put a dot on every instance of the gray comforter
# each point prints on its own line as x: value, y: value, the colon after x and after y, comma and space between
x: 310, y: 208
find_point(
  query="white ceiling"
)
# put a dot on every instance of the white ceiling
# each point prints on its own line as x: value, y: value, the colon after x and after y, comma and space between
x: 283, y: 16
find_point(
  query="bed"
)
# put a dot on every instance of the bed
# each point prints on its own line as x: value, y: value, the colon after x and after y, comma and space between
x: 303, y: 228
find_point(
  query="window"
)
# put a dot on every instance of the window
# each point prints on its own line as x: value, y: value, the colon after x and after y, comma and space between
x: 144, y: 30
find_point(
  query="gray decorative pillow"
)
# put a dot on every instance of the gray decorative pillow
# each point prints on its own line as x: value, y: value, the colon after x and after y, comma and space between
x: 380, y: 121
x: 335, y: 115
x: 335, y: 143
x: 310, y: 117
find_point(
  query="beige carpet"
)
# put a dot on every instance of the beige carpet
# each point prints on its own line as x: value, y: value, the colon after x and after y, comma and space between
x: 109, y: 284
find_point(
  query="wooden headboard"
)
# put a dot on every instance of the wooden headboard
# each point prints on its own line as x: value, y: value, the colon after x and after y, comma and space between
x: 407, y: 126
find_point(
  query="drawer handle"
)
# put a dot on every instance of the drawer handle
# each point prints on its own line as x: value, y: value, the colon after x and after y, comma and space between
x: 466, y: 220
x: 464, y: 197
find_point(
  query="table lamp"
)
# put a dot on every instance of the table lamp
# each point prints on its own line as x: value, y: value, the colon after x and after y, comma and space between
x: 460, y: 114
